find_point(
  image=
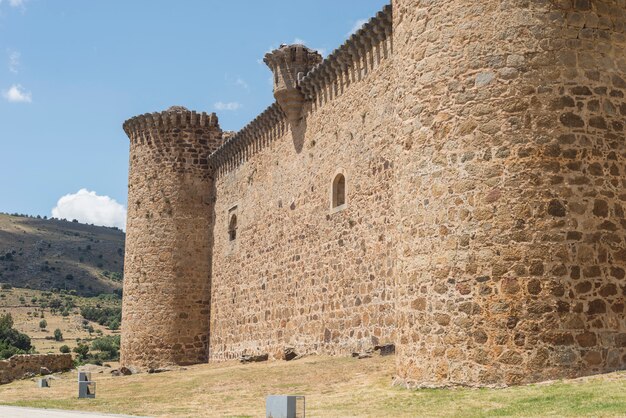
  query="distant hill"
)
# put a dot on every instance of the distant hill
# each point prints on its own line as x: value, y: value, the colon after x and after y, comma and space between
x: 47, y: 253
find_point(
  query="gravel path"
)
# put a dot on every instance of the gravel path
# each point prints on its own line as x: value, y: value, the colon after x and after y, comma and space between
x: 16, y: 412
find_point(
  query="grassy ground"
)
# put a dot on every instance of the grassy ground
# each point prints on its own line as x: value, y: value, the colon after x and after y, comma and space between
x: 334, y: 387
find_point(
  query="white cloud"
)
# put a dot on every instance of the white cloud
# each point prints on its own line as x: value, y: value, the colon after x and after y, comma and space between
x: 357, y: 25
x: 17, y: 3
x: 236, y: 81
x: 242, y: 83
x: 14, y: 61
x: 17, y: 94
x: 88, y: 207
x: 227, y: 106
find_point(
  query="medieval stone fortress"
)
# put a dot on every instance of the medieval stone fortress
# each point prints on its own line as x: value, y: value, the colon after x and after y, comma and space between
x: 451, y: 180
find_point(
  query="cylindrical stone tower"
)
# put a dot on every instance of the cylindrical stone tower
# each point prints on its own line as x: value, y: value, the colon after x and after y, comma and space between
x: 511, y: 193
x: 165, y: 315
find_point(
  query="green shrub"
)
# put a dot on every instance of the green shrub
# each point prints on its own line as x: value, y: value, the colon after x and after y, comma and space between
x: 108, y: 346
x: 82, y: 350
x: 64, y: 349
x: 43, y: 324
x: 55, y: 303
x: 58, y: 335
x: 103, y: 316
x: 12, y: 341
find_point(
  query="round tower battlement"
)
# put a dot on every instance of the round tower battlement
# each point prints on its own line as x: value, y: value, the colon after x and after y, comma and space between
x: 168, y: 241
x: 175, y: 116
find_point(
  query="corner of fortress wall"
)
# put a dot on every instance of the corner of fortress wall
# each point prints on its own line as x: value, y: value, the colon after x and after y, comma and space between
x: 482, y: 145
x: 511, y: 253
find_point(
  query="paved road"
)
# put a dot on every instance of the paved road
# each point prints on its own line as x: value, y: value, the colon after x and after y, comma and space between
x: 15, y: 412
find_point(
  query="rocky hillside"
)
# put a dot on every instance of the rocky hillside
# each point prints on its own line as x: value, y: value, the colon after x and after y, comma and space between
x: 47, y: 254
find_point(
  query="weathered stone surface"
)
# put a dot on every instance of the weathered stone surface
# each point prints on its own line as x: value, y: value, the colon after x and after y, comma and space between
x: 550, y: 271
x: 126, y: 371
x: 27, y: 365
x: 255, y: 358
x: 385, y: 350
x: 165, y: 315
x: 363, y: 354
x: 289, y: 353
x: 159, y: 370
x: 482, y: 150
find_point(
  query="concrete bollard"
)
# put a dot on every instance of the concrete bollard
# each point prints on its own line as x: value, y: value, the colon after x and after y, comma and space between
x: 285, y: 406
x: 86, y: 388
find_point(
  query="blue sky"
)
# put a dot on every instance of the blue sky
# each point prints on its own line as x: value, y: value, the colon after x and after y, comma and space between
x: 71, y: 72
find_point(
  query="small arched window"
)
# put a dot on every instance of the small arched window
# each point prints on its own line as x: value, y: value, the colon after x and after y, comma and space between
x: 339, y: 191
x: 232, y: 227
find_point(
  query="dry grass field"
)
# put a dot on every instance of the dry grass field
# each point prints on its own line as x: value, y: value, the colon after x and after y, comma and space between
x: 334, y: 387
x: 27, y: 315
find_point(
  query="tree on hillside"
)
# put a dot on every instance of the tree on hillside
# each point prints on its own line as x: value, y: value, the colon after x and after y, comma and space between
x: 82, y: 350
x: 58, y: 335
x: 43, y: 324
x: 11, y: 340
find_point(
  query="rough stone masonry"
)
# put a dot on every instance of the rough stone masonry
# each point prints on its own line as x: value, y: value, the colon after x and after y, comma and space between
x: 451, y: 180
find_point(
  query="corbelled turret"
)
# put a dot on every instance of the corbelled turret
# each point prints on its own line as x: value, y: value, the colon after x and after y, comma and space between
x: 290, y: 63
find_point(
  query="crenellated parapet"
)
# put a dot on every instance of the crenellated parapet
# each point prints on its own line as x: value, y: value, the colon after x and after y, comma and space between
x: 266, y: 127
x: 300, y: 75
x: 174, y: 117
x: 352, y: 61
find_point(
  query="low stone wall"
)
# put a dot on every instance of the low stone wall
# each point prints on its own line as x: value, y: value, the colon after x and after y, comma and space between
x: 19, y: 366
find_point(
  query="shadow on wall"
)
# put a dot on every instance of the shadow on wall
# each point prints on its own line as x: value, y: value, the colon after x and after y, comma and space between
x: 212, y: 231
x: 298, y: 133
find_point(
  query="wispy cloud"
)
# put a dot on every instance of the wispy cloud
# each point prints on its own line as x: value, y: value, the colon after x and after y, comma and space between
x: 227, y: 106
x: 242, y: 83
x: 17, y: 3
x: 16, y: 94
x: 87, y: 207
x: 14, y: 61
x: 357, y: 25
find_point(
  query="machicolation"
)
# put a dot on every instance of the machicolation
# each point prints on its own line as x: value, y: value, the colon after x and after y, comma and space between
x: 451, y: 180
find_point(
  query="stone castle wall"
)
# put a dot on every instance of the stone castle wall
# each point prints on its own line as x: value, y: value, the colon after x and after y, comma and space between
x: 298, y: 273
x: 482, y: 145
x: 511, y: 253
x: 165, y: 315
x: 24, y: 365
